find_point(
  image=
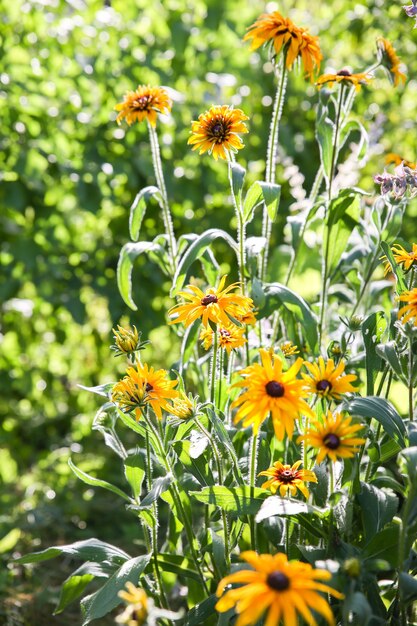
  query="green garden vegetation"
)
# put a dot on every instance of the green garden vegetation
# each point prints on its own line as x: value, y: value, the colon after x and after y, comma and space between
x: 225, y: 190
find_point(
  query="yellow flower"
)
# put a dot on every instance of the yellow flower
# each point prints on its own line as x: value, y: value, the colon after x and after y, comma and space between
x: 287, y: 478
x: 182, y: 407
x: 289, y: 349
x: 334, y: 437
x: 136, y: 612
x: 402, y: 257
x: 283, y: 589
x: 127, y: 340
x: 271, y: 390
x: 229, y: 337
x: 217, y: 131
x: 248, y: 319
x: 285, y: 36
x: 216, y: 305
x: 345, y: 77
x: 410, y: 310
x: 143, y: 104
x: 327, y: 380
x: 390, y: 60
x: 397, y: 159
x: 142, y: 386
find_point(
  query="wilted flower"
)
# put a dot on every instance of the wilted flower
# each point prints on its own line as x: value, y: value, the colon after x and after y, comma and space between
x: 143, y: 104
x: 345, y: 77
x: 390, y: 60
x: 217, y: 131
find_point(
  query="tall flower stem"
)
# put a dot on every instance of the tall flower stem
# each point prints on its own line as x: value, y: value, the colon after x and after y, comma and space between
x: 252, y: 479
x: 410, y: 380
x: 166, y: 212
x: 241, y: 228
x: 325, y: 264
x: 214, y: 366
x: 271, y: 161
x: 217, y: 459
x: 176, y: 496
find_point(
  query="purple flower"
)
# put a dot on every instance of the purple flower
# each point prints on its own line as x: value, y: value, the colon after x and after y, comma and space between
x: 411, y: 9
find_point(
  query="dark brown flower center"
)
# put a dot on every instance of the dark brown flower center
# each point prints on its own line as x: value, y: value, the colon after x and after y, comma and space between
x: 275, y: 389
x: 148, y: 387
x: 209, y: 299
x: 218, y: 130
x: 344, y: 73
x: 286, y: 476
x: 142, y: 103
x: 278, y: 581
x: 323, y: 386
x: 331, y: 441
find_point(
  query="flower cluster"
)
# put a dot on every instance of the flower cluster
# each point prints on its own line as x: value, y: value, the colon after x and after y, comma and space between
x: 398, y: 184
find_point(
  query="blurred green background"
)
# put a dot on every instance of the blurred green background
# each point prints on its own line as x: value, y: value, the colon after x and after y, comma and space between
x: 68, y: 177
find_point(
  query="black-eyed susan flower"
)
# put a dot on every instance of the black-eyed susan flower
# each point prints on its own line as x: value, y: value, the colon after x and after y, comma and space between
x: 288, y: 478
x: 289, y: 349
x: 409, y: 311
x: 389, y: 59
x: 230, y: 337
x: 127, y: 341
x: 328, y: 380
x: 217, y: 131
x: 286, y: 37
x: 184, y: 407
x: 248, y: 319
x: 344, y: 77
x: 143, y: 104
x: 397, y: 159
x: 334, y: 437
x: 144, y: 386
x: 270, y: 390
x: 136, y: 611
x: 402, y: 257
x: 280, y: 589
x: 216, y: 305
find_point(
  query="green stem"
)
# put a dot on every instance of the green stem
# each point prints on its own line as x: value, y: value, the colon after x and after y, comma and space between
x: 271, y: 161
x: 331, y: 516
x: 214, y: 366
x: 410, y: 380
x: 241, y: 230
x: 166, y: 212
x: 221, y: 373
x: 252, y: 479
x: 216, y: 455
x: 325, y: 264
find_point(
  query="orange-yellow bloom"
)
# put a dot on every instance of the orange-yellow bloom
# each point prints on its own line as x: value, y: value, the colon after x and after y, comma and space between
x: 268, y: 389
x: 397, y: 159
x: 229, y: 338
x: 277, y: 589
x: 345, y: 77
x: 285, y: 36
x: 144, y: 386
x: 402, y: 257
x: 408, y: 311
x: 390, y: 60
x: 328, y: 380
x: 334, y: 437
x: 217, y: 131
x: 143, y: 104
x: 136, y: 611
x: 216, y: 305
x: 288, y: 478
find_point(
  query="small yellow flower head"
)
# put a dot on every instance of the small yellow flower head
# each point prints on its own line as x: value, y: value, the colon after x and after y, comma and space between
x: 229, y: 337
x: 248, y: 319
x: 289, y: 349
x: 217, y: 131
x: 328, y: 380
x: 184, y: 407
x: 390, y: 60
x: 288, y: 478
x: 285, y: 36
x: 143, y: 104
x: 409, y: 311
x: 144, y: 386
x: 352, y: 567
x: 345, y: 77
x: 278, y: 589
x: 402, y: 257
x: 127, y: 341
x: 216, y: 305
x: 136, y: 611
x: 268, y: 389
x: 335, y: 437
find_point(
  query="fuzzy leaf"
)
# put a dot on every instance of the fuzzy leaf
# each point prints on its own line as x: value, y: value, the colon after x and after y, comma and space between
x: 233, y: 499
x: 128, y: 254
x: 89, y: 550
x: 381, y: 410
x: 138, y: 209
x: 96, y: 482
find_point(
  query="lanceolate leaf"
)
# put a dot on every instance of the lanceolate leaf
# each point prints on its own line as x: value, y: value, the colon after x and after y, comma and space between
x: 89, y: 550
x: 160, y: 485
x: 342, y: 218
x: 138, y: 209
x: 237, y: 173
x: 397, y: 269
x: 378, y: 507
x: 96, y: 482
x: 200, y: 613
x: 324, y: 136
x: 75, y: 584
x: 275, y: 505
x: 234, y: 499
x: 381, y: 410
x: 373, y: 329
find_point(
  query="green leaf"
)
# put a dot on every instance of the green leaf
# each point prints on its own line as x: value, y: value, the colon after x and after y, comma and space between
x: 355, y: 126
x: 96, y: 482
x: 271, y: 194
x: 237, y: 174
x: 106, y: 599
x: 342, y: 218
x: 134, y: 466
x: 408, y: 588
x: 138, y: 209
x: 198, y: 467
x: 324, y: 136
x: 410, y: 457
x: 160, y: 485
x: 195, y: 251
x: 89, y: 550
x: 100, y: 390
x: 233, y: 499
x: 128, y: 254
x: 253, y: 199
x: 75, y: 584
x: 200, y: 613
x: 277, y: 295
x: 397, y: 269
x: 275, y: 505
x: 177, y: 564
x: 10, y: 539
x: 381, y: 410
x: 384, y: 545
x: 388, y: 351
x: 373, y: 329
x: 357, y: 605
x: 377, y: 508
